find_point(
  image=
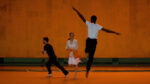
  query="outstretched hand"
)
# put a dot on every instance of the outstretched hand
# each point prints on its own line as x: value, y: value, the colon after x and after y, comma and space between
x: 74, y: 9
x: 43, y: 52
x: 117, y: 33
x: 79, y: 14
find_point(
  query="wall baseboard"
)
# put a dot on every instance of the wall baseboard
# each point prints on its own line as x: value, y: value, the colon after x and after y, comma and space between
x: 1, y: 60
x: 64, y: 61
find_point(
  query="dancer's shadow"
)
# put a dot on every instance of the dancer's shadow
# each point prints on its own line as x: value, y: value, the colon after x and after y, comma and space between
x: 46, y: 77
x: 68, y: 78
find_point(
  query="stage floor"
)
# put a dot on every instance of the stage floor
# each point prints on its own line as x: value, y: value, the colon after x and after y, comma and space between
x: 98, y: 75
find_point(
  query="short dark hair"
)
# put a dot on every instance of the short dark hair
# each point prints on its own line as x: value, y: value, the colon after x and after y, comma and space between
x: 71, y: 33
x: 46, y: 39
x: 94, y: 17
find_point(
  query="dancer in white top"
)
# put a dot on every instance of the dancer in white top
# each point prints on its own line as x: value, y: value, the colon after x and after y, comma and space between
x: 91, y: 42
x: 72, y: 46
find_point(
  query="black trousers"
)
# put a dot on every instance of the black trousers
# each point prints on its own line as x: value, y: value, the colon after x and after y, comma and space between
x: 55, y: 62
x: 90, y: 49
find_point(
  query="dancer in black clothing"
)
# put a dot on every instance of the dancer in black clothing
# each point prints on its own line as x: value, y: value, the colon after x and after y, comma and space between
x: 91, y: 41
x: 48, y: 49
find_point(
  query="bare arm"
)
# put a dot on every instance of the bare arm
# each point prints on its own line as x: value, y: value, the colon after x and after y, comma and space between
x: 110, y: 31
x: 79, y: 14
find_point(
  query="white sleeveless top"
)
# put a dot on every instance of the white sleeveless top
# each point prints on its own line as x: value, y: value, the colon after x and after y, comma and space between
x: 72, y: 45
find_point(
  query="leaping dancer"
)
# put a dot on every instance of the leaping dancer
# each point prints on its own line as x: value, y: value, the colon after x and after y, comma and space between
x: 91, y: 41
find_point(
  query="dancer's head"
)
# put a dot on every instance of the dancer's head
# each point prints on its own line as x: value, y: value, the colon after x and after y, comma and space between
x: 45, y: 40
x: 71, y: 36
x: 93, y: 19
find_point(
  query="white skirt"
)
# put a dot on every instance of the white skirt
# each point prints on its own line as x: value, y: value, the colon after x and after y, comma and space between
x: 72, y: 60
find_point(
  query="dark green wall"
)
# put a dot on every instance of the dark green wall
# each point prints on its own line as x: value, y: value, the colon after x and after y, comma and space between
x: 63, y: 61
